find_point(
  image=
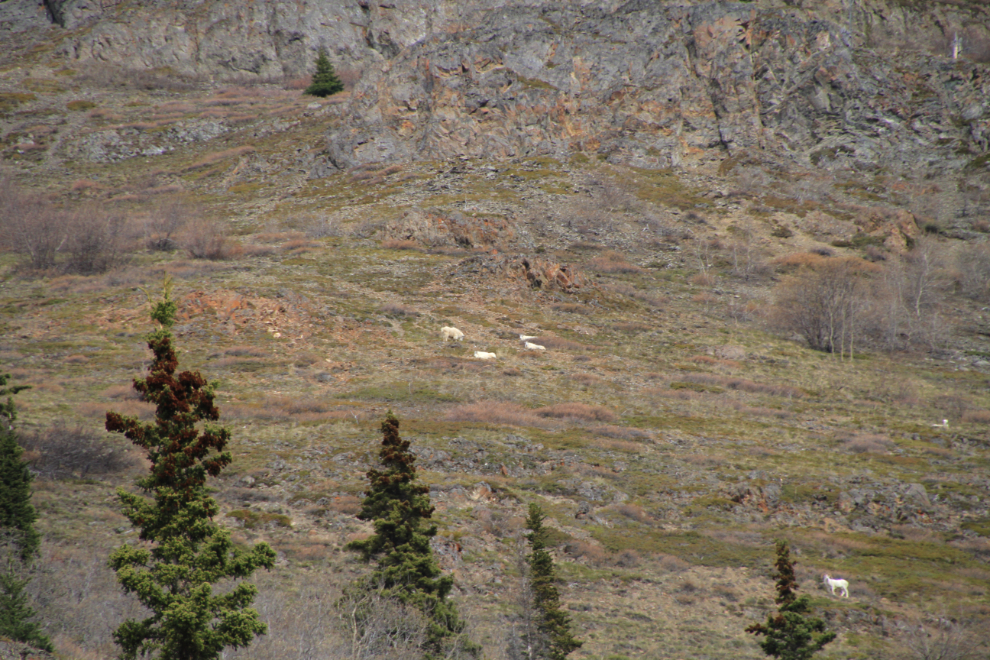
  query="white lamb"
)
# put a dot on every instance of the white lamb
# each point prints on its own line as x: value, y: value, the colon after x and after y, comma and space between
x: 841, y: 585
x: 530, y: 346
x: 482, y: 355
x: 451, y: 333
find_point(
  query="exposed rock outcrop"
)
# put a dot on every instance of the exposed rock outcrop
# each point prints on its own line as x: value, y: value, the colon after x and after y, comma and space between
x: 658, y: 86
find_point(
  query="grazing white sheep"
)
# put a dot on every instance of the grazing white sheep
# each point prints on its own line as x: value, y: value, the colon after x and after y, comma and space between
x: 530, y: 346
x: 526, y: 337
x: 451, y: 333
x: 841, y: 585
x: 943, y: 425
x: 481, y: 355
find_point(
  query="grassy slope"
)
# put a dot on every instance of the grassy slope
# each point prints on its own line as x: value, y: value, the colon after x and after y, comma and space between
x: 668, y: 425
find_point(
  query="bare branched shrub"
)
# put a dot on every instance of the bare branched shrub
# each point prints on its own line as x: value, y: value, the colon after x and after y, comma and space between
x: 825, y: 304
x: 165, y: 222
x: 592, y: 553
x: 370, y: 625
x: 31, y: 226
x: 940, y: 639
x: 96, y: 241
x: 972, y: 266
x: 205, y: 239
x: 61, y: 453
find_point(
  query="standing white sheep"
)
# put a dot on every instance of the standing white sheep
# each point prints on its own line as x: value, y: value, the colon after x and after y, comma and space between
x: 447, y: 333
x: 833, y: 584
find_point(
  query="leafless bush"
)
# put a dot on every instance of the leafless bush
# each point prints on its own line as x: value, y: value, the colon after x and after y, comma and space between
x: 627, y: 559
x: 972, y: 265
x: 825, y: 305
x: 31, y: 226
x: 941, y: 639
x: 61, y: 453
x: 96, y: 241
x: 165, y: 222
x: 205, y: 239
x: 78, y: 599
x: 591, y: 552
x: 370, y: 625
x: 398, y: 309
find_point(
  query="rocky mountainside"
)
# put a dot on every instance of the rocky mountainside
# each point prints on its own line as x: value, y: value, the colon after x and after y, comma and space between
x: 852, y: 83
x: 635, y: 186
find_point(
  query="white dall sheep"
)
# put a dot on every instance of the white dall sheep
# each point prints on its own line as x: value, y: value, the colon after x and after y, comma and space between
x: 943, y: 425
x: 832, y: 585
x: 530, y: 346
x: 526, y: 337
x: 481, y: 355
x: 451, y: 333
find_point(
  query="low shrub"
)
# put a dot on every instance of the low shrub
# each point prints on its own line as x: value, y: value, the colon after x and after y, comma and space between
x: 61, y: 452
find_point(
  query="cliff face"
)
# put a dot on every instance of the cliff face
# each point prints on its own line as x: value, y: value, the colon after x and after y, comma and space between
x: 658, y: 86
x: 863, y: 83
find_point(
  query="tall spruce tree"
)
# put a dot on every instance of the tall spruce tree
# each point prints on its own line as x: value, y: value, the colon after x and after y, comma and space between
x: 400, y: 509
x: 554, y: 639
x: 325, y: 81
x: 17, y: 515
x: 19, y: 540
x: 793, y: 634
x: 189, y: 552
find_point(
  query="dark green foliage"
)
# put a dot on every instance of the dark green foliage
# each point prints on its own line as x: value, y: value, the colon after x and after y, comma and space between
x: 189, y: 552
x: 555, y: 640
x: 17, y: 515
x: 791, y: 634
x: 18, y: 538
x: 325, y: 81
x: 406, y: 568
x: 15, y: 612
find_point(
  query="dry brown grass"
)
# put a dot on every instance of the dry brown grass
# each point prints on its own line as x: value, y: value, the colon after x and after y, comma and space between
x: 560, y: 344
x: 494, y: 412
x: 867, y: 443
x: 633, y: 512
x: 672, y: 564
x: 398, y: 310
x: 744, y: 385
x: 977, y: 417
x: 216, y: 156
x: 592, y: 553
x: 121, y: 392
x: 139, y: 409
x: 582, y: 411
x: 396, y: 244
x: 613, y: 263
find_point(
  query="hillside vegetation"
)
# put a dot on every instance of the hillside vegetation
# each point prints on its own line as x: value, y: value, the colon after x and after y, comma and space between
x: 737, y: 351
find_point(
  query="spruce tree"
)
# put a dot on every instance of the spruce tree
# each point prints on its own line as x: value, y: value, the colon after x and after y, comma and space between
x: 793, y: 634
x: 18, y: 538
x: 554, y: 637
x: 325, y: 81
x: 188, y: 552
x: 17, y: 515
x: 406, y: 569
x: 15, y: 612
